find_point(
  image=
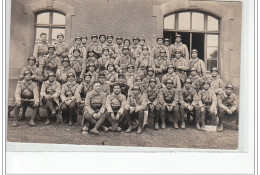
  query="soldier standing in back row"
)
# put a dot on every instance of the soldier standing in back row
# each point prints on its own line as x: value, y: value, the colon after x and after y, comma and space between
x: 158, y: 47
x: 179, y: 45
x: 41, y: 48
x: 78, y: 45
x: 160, y: 64
x: 198, y: 64
x: 62, y: 48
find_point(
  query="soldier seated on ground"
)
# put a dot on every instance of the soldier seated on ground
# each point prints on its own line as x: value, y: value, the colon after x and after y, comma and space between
x: 95, y: 108
x: 227, y: 106
x: 207, y: 102
x: 134, y: 108
x: 26, y: 94
x: 64, y: 70
x: 215, y: 81
x: 188, y: 103
x: 115, y: 104
x: 153, y: 92
x: 173, y: 76
x: 49, y: 95
x: 169, y: 98
x: 69, y: 105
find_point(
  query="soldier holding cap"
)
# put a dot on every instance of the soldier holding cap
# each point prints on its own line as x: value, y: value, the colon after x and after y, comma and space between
x: 26, y: 94
x: 197, y: 63
x: 41, y: 48
x: 173, y: 76
x: 227, y: 106
x: 123, y: 60
x: 67, y: 95
x: 62, y: 48
x: 196, y: 80
x: 36, y: 72
x: 169, y: 98
x: 78, y: 45
x: 143, y: 61
x: 49, y: 95
x: 188, y: 102
x: 118, y: 46
x: 95, y: 108
x: 51, y: 59
x: 64, y: 70
x: 179, y: 45
x: 215, y: 81
x: 115, y: 105
x: 95, y: 45
x: 150, y: 75
x: 158, y: 47
x: 134, y: 108
x: 160, y: 64
x: 207, y: 102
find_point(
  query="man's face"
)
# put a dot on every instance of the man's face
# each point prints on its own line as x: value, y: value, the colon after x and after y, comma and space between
x: 51, y: 50
x: 84, y: 40
x: 150, y: 73
x: 193, y: 73
x: 76, y: 53
x: 178, y: 55
x: 119, y: 41
x: 105, y: 52
x: 145, y: 52
x: 187, y: 86
x: 206, y: 86
x: 44, y: 38
x: 71, y: 78
x: 60, y: 39
x: 166, y: 43
x: 97, y: 87
x: 135, y: 41
x: 28, y: 77
x: 130, y: 69
x: 94, y: 39
x: 31, y: 62
x: 141, y: 42
x: 127, y: 43
x: 91, y: 54
x: 78, y: 41
x: 52, y: 78
x: 214, y: 73
x: 91, y: 68
x: 178, y: 39
x: 160, y: 41
x: 121, y: 80
x: 138, y: 82
x: 87, y: 79
x: 116, y: 89
x: 170, y: 70
x: 125, y: 51
x: 101, y: 80
x: 102, y: 39
x: 152, y: 84
x: 169, y: 85
x: 65, y: 63
x: 228, y: 91
x: 162, y: 54
x: 136, y: 91
x: 109, y: 40
x: 110, y: 68
x: 194, y: 54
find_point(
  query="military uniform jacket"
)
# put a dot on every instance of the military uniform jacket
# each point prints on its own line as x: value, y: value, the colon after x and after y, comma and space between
x: 83, y: 51
x: 130, y: 78
x: 111, y: 77
x: 148, y: 78
x: 97, y: 47
x: 111, y: 46
x: 143, y: 61
x: 169, y: 96
x: 123, y: 61
x: 82, y: 90
x: 68, y: 91
x: 115, y: 102
x: 53, y: 89
x: 182, y: 47
x: 102, y: 61
x: 216, y: 83
x: 227, y: 102
x: 160, y: 64
x: 174, y: 77
x: 118, y: 49
x: 40, y: 49
x: 181, y: 64
x: 76, y: 66
x: 105, y: 88
x: 135, y: 51
x: 153, y: 95
x: 86, y: 64
x: 124, y: 89
x: 62, y: 49
x: 26, y: 91
x: 197, y: 82
x: 62, y: 73
x: 110, y: 60
x: 156, y: 50
x: 142, y: 88
x: 141, y: 48
x: 94, y: 100
x: 139, y: 101
x: 35, y: 71
x: 53, y: 61
x: 199, y: 65
x: 188, y: 96
x: 207, y: 98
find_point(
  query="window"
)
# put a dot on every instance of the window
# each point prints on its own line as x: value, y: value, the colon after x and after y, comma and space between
x: 199, y: 31
x: 50, y: 22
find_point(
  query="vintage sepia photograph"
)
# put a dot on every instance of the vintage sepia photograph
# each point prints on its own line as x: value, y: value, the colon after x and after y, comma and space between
x: 132, y: 73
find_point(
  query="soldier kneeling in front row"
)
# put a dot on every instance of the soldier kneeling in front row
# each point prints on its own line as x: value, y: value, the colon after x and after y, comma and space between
x: 26, y: 94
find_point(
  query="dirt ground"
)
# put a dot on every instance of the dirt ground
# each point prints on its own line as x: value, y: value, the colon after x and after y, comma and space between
x: 169, y: 137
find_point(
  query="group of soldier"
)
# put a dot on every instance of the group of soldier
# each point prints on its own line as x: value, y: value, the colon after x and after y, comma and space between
x: 120, y: 84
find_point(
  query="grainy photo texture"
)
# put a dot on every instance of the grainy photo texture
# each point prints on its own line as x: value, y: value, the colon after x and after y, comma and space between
x: 153, y: 73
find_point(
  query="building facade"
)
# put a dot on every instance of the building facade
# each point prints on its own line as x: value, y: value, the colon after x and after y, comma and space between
x: 212, y: 27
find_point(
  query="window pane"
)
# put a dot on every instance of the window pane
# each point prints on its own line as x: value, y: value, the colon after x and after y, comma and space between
x: 197, y: 21
x: 55, y: 32
x: 169, y: 22
x: 39, y: 31
x: 212, y: 40
x: 212, y: 24
x: 184, y: 21
x: 58, y: 18
x: 211, y: 64
x: 43, y: 18
x: 212, y: 52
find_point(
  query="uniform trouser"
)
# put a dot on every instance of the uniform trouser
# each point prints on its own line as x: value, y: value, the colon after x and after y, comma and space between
x: 184, y: 110
x: 222, y: 113
x: 156, y: 112
x: 25, y: 104
x: 139, y: 115
x: 50, y: 103
x: 205, y: 111
x: 69, y: 109
x: 174, y: 115
x: 97, y: 122
x: 81, y: 108
x: 109, y: 118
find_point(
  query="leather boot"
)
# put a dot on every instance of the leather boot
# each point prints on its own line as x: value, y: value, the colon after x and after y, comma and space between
x: 183, y: 125
x: 94, y: 131
x: 220, y: 128
x: 139, y: 130
x: 198, y: 126
x: 48, y: 121
x: 156, y: 126
x: 31, y: 123
x: 203, y: 127
x: 175, y: 125
x: 15, y: 123
x: 129, y: 129
x: 163, y: 126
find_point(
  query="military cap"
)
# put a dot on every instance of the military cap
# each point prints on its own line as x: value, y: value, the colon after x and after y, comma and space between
x: 188, y: 81
x: 127, y: 40
x: 206, y: 82
x: 152, y: 80
x: 78, y: 37
x: 105, y: 48
x: 110, y: 36
x: 194, y: 50
x: 136, y: 88
x: 84, y: 36
x: 142, y: 39
x: 214, y: 69
x: 178, y: 35
x: 119, y: 37
x: 193, y: 69
x: 90, y: 50
x: 60, y: 34
x: 32, y: 58
x: 88, y: 74
x: 166, y: 39
x: 229, y: 86
x: 159, y: 38
x: 162, y: 51
x: 71, y: 74
x: 138, y: 78
x: 51, y: 74
x: 145, y: 48
x: 65, y: 59
x: 94, y: 36
x: 102, y: 35
x: 130, y: 65
x: 91, y: 64
x: 121, y: 75
x: 27, y: 72
x: 125, y: 48
x: 169, y: 81
x: 101, y: 75
x: 178, y: 50
x: 135, y: 38
x: 76, y: 49
x: 170, y: 66
x: 150, y: 69
x: 51, y: 47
